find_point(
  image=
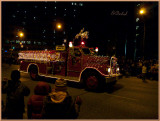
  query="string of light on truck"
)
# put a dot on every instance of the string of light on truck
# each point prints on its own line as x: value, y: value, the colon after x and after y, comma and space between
x: 40, y: 55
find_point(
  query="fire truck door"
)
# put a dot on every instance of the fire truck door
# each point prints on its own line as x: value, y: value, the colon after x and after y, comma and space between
x: 74, y: 61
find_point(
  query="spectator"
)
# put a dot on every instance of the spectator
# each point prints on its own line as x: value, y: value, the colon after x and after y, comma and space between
x: 59, y: 104
x: 144, y: 71
x: 35, y: 103
x: 15, y: 96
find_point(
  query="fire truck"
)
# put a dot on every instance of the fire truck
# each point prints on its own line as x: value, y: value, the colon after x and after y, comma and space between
x: 76, y: 63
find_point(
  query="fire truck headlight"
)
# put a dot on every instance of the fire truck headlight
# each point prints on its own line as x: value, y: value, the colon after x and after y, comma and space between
x: 109, y: 70
x: 118, y: 69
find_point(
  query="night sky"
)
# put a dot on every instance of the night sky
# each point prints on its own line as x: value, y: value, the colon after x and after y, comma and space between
x: 111, y: 25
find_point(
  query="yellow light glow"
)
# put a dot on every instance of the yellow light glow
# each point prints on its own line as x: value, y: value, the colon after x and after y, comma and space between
x: 142, y: 11
x: 59, y: 26
x: 21, y: 34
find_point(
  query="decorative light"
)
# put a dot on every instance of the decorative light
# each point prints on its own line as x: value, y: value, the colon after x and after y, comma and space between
x: 82, y: 43
x: 70, y: 44
x: 96, y: 49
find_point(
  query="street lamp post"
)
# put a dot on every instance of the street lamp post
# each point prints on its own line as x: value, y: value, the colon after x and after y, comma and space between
x: 142, y: 12
x: 21, y: 35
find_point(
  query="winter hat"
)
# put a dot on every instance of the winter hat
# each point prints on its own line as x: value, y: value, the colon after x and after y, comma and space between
x: 61, y: 85
x: 42, y: 88
x: 58, y: 97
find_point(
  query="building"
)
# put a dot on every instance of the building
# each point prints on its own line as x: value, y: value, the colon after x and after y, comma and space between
x: 37, y: 20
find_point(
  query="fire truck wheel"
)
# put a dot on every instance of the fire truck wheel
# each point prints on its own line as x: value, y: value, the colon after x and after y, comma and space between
x: 34, y: 74
x: 92, y: 82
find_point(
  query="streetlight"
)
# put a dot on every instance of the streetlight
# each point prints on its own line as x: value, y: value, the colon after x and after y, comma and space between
x: 21, y: 35
x: 142, y: 12
x: 59, y: 26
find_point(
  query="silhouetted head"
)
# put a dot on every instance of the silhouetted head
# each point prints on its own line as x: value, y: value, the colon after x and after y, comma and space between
x: 60, y: 85
x: 42, y: 88
x: 15, y: 75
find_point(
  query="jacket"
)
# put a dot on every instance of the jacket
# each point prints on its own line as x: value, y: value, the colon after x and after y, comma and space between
x: 35, y: 102
x: 59, y: 105
x: 15, y: 97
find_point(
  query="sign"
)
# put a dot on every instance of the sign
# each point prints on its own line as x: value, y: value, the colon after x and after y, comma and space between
x: 60, y: 47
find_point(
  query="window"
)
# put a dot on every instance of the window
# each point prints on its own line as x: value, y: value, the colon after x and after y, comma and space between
x: 39, y: 43
x: 77, y: 52
x: 86, y: 51
x: 137, y: 27
x: 137, y: 19
x: 17, y: 41
x: 28, y: 42
x: 80, y: 4
x: 7, y: 41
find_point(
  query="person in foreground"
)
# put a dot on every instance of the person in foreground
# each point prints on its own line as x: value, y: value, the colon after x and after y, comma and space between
x: 35, y: 102
x: 59, y: 104
x: 16, y: 91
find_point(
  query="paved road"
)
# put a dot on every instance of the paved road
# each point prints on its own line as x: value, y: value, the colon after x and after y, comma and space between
x: 130, y: 98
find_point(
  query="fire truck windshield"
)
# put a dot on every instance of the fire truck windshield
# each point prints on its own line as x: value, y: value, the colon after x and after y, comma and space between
x: 86, y: 51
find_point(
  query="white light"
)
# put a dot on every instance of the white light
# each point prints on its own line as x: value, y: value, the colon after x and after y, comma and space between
x: 109, y: 70
x: 70, y: 44
x: 117, y: 69
x: 137, y: 19
x: 55, y: 7
x: 96, y: 49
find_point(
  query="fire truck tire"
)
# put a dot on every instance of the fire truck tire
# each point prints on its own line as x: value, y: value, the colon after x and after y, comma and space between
x: 34, y: 74
x: 93, y: 82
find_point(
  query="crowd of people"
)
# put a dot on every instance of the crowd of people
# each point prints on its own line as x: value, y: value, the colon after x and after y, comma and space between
x: 56, y: 103
x: 46, y: 103
x: 134, y: 68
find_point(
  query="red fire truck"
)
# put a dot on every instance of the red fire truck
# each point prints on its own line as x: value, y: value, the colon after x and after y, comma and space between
x: 76, y: 64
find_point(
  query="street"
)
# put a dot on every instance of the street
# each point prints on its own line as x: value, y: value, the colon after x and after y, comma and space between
x: 130, y: 98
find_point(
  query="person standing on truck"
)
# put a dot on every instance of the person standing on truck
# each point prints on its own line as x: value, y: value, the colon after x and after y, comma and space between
x: 59, y: 104
x: 35, y: 102
x: 15, y: 96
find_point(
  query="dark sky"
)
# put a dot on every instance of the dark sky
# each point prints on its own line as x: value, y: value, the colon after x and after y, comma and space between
x: 105, y: 29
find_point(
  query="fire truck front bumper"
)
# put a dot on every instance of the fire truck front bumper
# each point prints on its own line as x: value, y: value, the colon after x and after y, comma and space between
x: 113, y: 78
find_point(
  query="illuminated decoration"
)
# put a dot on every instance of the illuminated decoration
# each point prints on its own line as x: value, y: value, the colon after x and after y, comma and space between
x: 40, y: 55
x: 82, y: 43
x: 96, y: 49
x: 82, y: 34
x: 70, y: 44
